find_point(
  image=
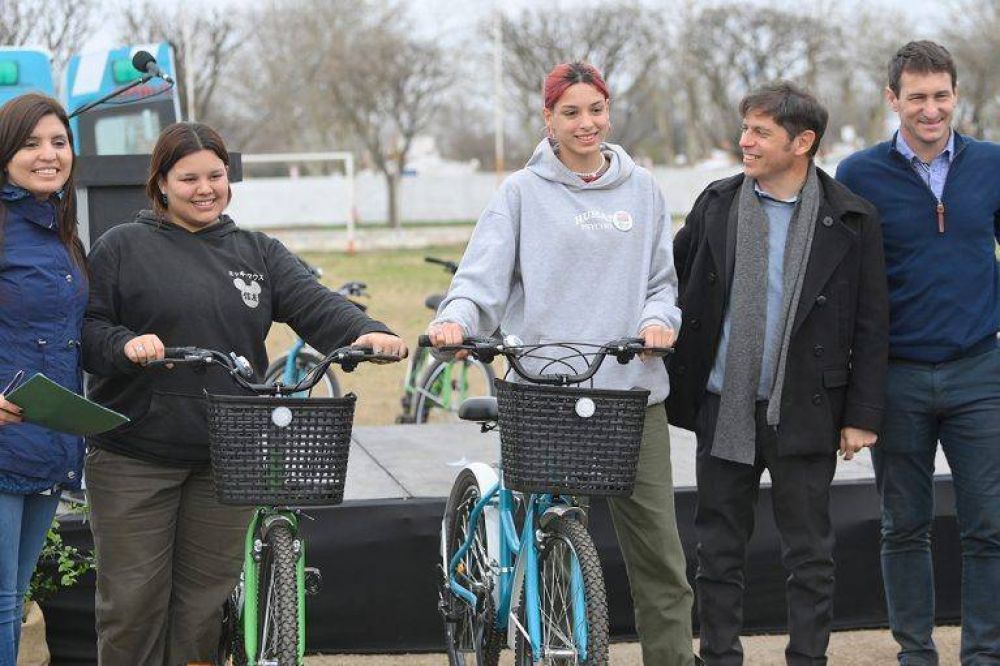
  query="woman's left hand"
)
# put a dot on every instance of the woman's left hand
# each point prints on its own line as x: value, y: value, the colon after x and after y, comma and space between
x: 383, y: 343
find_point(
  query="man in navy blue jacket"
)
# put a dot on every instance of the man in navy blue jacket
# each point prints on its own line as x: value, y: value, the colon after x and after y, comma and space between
x: 938, y: 194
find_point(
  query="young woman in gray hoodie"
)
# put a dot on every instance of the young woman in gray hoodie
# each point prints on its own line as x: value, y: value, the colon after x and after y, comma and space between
x: 577, y: 247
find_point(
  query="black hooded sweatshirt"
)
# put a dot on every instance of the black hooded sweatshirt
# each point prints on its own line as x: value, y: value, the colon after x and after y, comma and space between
x: 218, y: 288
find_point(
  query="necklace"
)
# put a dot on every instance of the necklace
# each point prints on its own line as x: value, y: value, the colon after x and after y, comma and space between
x: 593, y: 174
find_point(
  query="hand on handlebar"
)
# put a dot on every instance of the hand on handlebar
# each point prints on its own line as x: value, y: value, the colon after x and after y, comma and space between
x: 655, y: 335
x: 144, y: 348
x: 383, y: 343
x: 448, y: 334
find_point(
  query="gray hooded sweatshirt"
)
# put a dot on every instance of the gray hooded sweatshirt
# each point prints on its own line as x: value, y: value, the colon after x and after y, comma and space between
x: 553, y: 258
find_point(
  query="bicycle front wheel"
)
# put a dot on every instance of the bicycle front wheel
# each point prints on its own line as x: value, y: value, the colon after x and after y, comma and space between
x: 566, y: 545
x: 305, y: 361
x: 278, y: 602
x: 470, y: 632
x: 446, y: 384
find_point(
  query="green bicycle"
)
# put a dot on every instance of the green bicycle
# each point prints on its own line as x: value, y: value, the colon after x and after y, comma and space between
x: 274, y: 451
x: 434, y: 389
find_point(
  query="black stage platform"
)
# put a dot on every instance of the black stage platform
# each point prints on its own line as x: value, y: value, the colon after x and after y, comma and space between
x: 379, y: 550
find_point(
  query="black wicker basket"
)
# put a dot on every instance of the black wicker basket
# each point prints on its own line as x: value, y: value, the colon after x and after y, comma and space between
x: 569, y: 440
x: 280, y: 451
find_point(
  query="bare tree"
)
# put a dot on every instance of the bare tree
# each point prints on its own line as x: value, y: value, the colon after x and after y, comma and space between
x: 19, y: 20
x: 60, y: 26
x: 204, y: 40
x: 730, y: 49
x: 973, y: 36
x: 355, y: 72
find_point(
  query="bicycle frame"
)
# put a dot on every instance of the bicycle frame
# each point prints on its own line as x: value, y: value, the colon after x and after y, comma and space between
x: 262, y: 518
x: 443, y: 396
x: 290, y: 377
x: 449, y: 395
x: 522, y: 551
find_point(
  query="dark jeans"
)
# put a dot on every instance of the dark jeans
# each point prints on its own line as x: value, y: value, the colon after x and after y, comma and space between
x: 957, y: 403
x: 724, y: 522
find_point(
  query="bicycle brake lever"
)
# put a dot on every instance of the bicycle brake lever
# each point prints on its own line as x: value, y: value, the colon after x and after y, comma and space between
x: 243, y: 367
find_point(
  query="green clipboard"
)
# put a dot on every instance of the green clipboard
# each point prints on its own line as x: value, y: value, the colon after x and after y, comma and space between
x: 45, y: 403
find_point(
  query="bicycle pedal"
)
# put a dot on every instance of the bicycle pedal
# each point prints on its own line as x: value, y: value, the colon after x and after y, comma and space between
x: 313, y: 581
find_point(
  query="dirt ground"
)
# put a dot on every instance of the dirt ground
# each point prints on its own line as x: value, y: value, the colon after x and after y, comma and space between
x: 847, y: 648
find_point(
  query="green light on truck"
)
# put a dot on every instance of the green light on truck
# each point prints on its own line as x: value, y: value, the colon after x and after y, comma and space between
x: 122, y: 71
x: 8, y: 73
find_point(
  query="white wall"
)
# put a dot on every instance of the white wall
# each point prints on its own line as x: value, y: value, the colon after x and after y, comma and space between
x: 322, y: 200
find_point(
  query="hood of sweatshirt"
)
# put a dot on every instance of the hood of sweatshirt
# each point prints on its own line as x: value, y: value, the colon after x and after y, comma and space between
x: 223, y: 227
x: 545, y: 163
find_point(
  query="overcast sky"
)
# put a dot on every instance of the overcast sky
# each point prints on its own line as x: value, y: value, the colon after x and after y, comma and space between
x: 457, y: 17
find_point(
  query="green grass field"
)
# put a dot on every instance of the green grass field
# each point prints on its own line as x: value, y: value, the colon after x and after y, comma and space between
x: 398, y: 282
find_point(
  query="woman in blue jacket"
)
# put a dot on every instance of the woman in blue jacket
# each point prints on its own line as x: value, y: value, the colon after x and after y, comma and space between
x: 43, y: 294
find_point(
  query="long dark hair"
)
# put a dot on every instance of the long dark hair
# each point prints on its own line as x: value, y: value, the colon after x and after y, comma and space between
x: 176, y: 142
x: 18, y: 119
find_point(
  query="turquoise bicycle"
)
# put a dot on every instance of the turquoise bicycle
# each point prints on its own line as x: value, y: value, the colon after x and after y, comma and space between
x: 300, y: 359
x: 274, y: 451
x: 537, y: 587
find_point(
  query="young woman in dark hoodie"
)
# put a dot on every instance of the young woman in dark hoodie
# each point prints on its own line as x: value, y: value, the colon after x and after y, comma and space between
x: 168, y: 553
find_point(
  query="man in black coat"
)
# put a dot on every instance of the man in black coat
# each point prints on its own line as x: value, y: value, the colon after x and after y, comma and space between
x: 780, y: 362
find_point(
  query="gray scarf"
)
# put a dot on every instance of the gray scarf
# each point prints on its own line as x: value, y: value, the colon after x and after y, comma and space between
x: 735, y: 429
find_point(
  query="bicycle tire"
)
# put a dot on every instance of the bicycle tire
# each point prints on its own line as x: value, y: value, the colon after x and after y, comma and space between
x: 278, y: 604
x: 563, y: 540
x: 306, y: 360
x: 428, y: 409
x: 472, y: 638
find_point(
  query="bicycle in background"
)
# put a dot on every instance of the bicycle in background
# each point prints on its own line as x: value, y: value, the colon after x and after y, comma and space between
x: 274, y: 451
x: 538, y: 587
x: 433, y: 389
x: 300, y: 359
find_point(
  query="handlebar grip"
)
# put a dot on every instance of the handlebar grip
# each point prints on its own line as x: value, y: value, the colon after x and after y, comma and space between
x: 176, y: 352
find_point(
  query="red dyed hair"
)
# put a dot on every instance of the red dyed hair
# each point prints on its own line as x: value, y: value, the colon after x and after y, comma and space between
x: 570, y: 73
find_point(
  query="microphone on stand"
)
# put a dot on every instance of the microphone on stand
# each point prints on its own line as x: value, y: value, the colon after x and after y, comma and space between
x: 146, y: 63
x: 142, y: 61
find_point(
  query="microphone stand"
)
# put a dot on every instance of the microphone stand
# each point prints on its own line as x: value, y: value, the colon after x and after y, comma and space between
x: 114, y: 93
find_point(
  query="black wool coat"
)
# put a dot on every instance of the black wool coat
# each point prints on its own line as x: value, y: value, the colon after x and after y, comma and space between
x: 838, y: 353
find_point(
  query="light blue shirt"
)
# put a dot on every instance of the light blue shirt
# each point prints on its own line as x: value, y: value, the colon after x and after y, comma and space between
x: 935, y: 173
x: 779, y: 216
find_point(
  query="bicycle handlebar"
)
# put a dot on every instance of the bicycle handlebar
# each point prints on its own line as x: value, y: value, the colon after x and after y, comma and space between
x: 486, y: 349
x: 449, y: 266
x: 353, y: 288
x: 240, y: 370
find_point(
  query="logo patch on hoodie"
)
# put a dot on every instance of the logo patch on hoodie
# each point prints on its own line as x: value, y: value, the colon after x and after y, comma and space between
x: 249, y: 288
x: 598, y: 220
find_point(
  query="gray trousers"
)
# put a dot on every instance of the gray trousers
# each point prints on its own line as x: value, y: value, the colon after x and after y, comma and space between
x: 168, y: 555
x: 646, y: 524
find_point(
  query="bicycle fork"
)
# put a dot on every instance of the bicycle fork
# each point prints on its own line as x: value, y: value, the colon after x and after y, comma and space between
x: 527, y: 577
x: 253, y: 559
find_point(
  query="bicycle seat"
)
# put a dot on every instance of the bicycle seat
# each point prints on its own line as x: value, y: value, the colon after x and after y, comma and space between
x: 433, y: 301
x: 479, y: 409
